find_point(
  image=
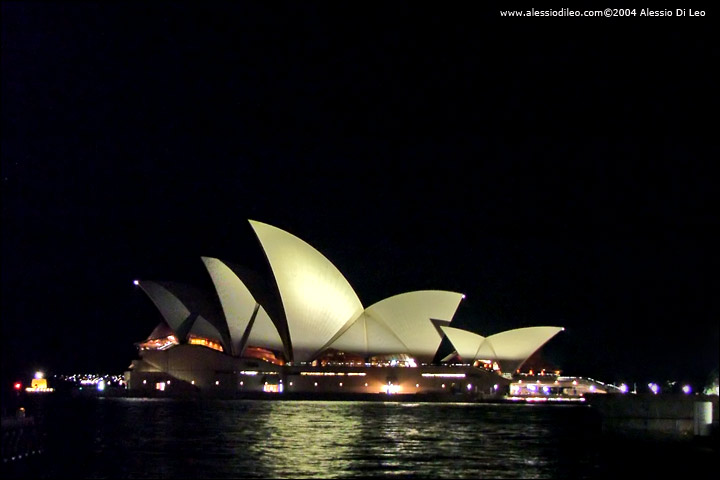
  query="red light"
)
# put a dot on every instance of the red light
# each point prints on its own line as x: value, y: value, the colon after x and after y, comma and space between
x: 17, y: 385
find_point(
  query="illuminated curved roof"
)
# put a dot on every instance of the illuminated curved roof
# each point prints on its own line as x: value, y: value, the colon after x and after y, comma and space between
x: 263, y: 333
x: 368, y: 337
x: 512, y: 347
x: 240, y: 307
x: 408, y: 316
x: 466, y: 343
x: 182, y: 316
x: 317, y: 309
x: 317, y: 299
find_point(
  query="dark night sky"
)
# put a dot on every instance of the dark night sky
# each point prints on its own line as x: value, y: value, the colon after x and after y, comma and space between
x: 557, y: 172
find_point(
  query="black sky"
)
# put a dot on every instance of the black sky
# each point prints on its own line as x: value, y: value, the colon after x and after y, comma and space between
x: 557, y: 172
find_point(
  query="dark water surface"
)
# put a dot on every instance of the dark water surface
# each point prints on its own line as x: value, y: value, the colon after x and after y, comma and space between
x: 161, y: 438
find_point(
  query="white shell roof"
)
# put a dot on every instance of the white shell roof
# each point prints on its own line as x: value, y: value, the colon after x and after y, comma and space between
x: 368, y: 336
x: 264, y: 334
x: 238, y: 305
x: 317, y: 299
x: 408, y: 316
x: 516, y: 346
x: 176, y: 313
x: 466, y: 343
x: 510, y: 348
x: 323, y: 311
x: 172, y: 309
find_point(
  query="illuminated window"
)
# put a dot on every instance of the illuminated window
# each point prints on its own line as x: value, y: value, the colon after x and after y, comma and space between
x: 205, y: 342
x: 262, y: 354
x: 159, y: 343
x: 38, y: 383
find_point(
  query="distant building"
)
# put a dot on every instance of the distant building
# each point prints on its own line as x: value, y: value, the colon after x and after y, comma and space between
x: 305, y: 330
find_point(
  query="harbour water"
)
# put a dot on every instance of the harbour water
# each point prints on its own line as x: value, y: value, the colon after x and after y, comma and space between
x: 170, y: 438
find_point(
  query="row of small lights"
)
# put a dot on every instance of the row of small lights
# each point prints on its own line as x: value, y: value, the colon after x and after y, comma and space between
x: 102, y: 381
x: 417, y: 385
x: 654, y: 387
x: 84, y: 379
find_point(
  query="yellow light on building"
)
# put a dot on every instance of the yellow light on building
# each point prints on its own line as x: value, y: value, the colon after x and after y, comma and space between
x: 38, y: 385
x: 38, y: 382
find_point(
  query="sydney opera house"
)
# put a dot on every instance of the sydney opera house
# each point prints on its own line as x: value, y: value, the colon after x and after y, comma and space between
x: 303, y: 330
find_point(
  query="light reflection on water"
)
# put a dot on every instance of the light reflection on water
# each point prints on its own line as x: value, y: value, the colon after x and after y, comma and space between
x: 310, y: 439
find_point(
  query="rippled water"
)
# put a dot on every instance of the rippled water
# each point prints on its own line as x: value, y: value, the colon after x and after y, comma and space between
x: 144, y: 438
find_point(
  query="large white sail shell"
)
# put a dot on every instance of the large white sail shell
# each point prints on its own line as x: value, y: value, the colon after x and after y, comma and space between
x: 408, y: 316
x: 239, y: 305
x: 512, y: 347
x: 317, y: 299
x: 466, y: 343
